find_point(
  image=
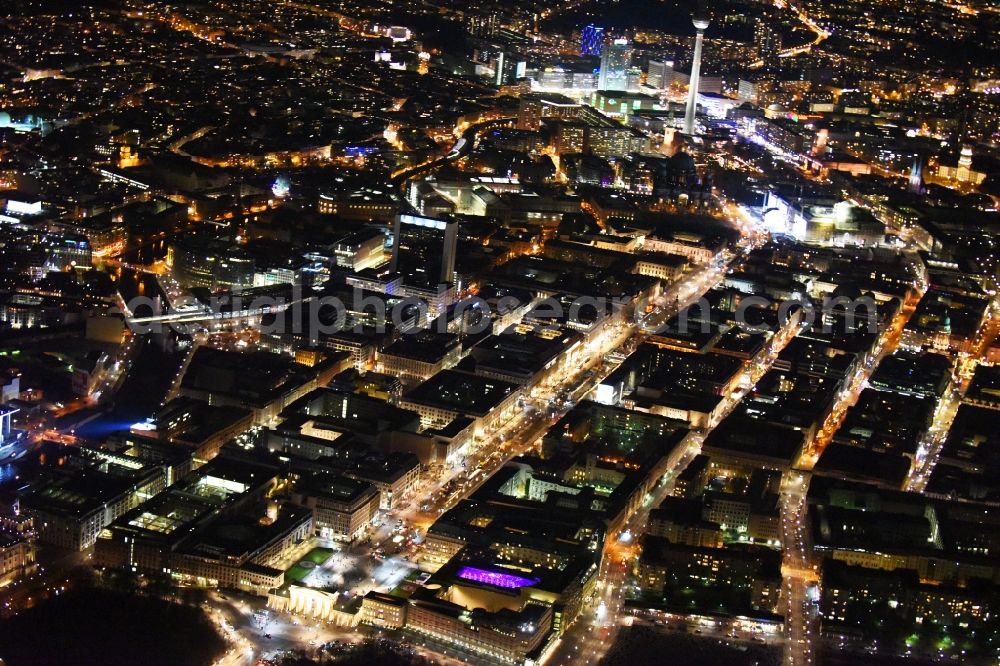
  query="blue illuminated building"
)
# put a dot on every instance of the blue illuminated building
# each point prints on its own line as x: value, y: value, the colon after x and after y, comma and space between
x: 591, y: 40
x: 8, y: 437
x: 360, y: 151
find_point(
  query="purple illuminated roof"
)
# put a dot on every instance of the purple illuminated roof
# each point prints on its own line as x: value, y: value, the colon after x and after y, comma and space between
x: 495, y: 578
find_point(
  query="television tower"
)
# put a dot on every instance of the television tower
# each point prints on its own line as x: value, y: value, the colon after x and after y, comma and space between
x: 700, y: 20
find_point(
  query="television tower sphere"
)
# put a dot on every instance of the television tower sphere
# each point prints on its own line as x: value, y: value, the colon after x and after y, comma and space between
x: 700, y: 19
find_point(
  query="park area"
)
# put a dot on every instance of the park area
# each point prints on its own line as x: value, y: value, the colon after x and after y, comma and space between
x: 98, y: 627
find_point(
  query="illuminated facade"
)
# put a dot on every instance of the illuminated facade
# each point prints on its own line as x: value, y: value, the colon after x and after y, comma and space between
x: 409, y: 236
x: 962, y: 173
x: 383, y: 610
x: 343, y: 509
x: 591, y: 40
x: 17, y: 558
x: 507, y: 637
x: 615, y: 60
x: 6, y: 418
x: 450, y: 394
x: 210, y: 530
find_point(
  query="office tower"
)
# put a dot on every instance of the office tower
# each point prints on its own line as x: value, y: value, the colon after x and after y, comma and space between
x: 615, y: 60
x: 6, y: 414
x: 418, y: 243
x: 485, y: 24
x: 748, y: 91
x: 700, y: 20
x: 633, y: 80
x: 591, y: 40
x: 533, y: 107
x: 766, y: 38
x: 509, y: 68
x: 529, y: 113
x: 659, y: 74
x: 916, y: 184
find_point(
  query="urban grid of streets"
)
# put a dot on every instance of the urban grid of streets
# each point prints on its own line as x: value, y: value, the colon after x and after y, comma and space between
x: 420, y: 508
x: 254, y: 634
x: 590, y: 638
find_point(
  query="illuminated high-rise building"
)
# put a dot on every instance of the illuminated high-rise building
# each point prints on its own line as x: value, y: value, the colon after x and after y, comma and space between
x: 700, y: 20
x: 8, y: 440
x: 591, y: 40
x: 615, y: 60
x: 660, y: 74
x: 508, y: 69
x: 6, y: 415
x: 916, y: 184
x: 482, y: 24
x: 423, y: 249
x: 766, y: 38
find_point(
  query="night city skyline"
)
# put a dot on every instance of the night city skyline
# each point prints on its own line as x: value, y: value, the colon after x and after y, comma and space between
x: 537, y: 333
